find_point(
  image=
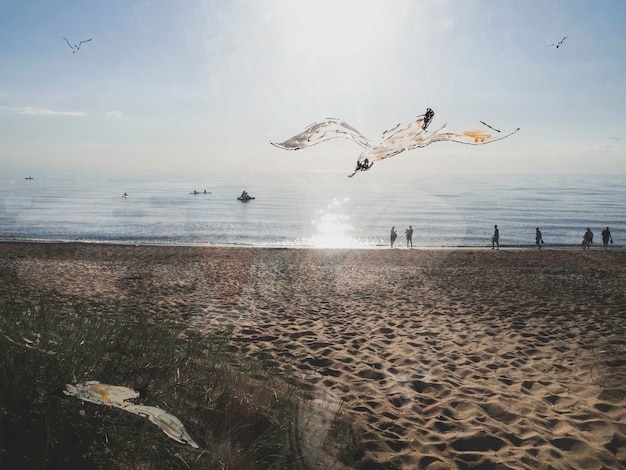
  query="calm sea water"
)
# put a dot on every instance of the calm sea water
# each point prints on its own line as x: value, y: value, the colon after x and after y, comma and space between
x: 325, y: 209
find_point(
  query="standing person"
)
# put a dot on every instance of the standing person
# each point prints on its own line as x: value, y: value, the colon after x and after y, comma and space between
x: 495, y: 239
x: 409, y: 236
x: 538, y: 238
x: 606, y: 236
x: 394, y: 235
x: 587, y: 238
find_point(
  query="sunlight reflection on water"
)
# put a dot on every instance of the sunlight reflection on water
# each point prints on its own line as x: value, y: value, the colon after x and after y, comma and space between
x: 332, y: 227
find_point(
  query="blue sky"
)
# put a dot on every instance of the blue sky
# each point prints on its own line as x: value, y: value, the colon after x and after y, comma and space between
x: 199, y: 85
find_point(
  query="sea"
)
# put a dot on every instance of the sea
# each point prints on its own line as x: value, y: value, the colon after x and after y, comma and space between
x: 324, y: 210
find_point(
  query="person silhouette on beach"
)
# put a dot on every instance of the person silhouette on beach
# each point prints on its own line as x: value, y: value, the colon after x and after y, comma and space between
x: 587, y: 239
x: 606, y: 236
x: 394, y: 235
x: 409, y: 236
x: 495, y: 238
x: 538, y: 238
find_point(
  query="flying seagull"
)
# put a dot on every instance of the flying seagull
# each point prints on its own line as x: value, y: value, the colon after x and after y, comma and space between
x: 557, y: 44
x: 76, y: 47
x: 394, y: 141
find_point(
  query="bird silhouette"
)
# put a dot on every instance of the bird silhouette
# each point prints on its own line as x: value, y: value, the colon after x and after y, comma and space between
x: 557, y: 44
x: 76, y: 47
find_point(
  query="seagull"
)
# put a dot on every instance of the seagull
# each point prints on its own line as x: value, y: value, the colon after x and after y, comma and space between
x: 557, y: 44
x: 394, y: 141
x: 76, y: 47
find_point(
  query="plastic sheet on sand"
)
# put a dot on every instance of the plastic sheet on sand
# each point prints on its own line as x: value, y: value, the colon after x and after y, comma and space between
x: 118, y: 396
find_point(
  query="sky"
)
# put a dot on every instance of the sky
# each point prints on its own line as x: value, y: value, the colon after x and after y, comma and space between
x: 205, y: 85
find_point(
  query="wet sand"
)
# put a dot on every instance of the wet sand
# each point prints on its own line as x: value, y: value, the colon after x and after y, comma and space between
x: 442, y: 358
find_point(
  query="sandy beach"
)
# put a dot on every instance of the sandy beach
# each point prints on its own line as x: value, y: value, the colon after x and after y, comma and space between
x: 442, y: 359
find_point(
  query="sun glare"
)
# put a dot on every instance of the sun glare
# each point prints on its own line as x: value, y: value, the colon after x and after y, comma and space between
x: 332, y: 227
x: 335, y: 28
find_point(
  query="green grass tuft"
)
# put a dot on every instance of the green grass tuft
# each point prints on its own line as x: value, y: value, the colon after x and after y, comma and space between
x: 243, y: 413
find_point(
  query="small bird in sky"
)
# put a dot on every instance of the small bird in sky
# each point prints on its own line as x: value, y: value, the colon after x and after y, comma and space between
x: 76, y: 47
x: 557, y: 44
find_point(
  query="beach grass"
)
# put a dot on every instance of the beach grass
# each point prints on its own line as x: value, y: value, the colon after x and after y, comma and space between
x: 243, y: 413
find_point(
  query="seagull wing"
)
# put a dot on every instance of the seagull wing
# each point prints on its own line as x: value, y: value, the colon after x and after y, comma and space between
x: 317, y: 132
x: 413, y: 137
x: 483, y: 122
x: 474, y: 137
x: 68, y: 43
x: 556, y: 44
x: 86, y: 40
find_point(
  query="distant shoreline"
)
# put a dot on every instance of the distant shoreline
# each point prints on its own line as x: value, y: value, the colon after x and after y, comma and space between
x: 399, y: 246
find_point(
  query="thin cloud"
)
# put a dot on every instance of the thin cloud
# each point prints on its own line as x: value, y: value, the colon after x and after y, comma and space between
x: 42, y: 112
x: 116, y: 114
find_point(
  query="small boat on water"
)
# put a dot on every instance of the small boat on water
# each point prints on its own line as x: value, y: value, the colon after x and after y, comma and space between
x: 29, y: 178
x: 245, y: 197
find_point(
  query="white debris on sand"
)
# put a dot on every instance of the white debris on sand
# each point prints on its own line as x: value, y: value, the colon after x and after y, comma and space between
x: 116, y: 396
